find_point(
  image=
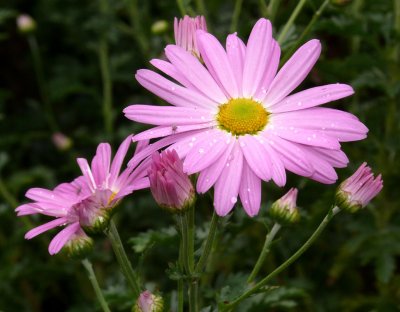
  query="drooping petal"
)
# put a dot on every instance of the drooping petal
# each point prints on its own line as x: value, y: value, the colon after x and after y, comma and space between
x: 210, y: 175
x: 312, y: 97
x: 101, y: 164
x: 250, y: 191
x: 27, y: 209
x: 256, y: 157
x: 293, y: 72
x: 236, y: 51
x: 62, y: 238
x: 172, y: 92
x: 210, y: 145
x: 257, y: 56
x: 45, y: 227
x: 215, y: 58
x: 43, y: 195
x: 226, y: 188
x: 195, y: 72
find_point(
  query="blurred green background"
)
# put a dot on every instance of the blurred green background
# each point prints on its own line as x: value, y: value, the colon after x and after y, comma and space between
x: 75, y: 74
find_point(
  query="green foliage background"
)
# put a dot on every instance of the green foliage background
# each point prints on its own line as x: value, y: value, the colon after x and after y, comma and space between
x: 354, y: 266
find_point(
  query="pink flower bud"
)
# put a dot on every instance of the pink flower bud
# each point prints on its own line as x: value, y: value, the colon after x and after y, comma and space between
x: 170, y: 186
x: 284, y: 210
x: 357, y: 191
x: 61, y: 141
x: 26, y: 24
x: 185, y: 32
x: 147, y: 302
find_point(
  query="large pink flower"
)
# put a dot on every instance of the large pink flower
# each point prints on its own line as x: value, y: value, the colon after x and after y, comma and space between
x: 234, y: 122
x: 88, y: 201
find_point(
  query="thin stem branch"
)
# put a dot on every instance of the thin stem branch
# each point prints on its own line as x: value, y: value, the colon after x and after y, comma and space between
x: 191, y: 234
x: 306, y: 31
x: 93, y: 280
x: 272, y: 9
x: 288, y: 262
x: 289, y: 23
x: 208, y: 244
x: 201, y: 8
x: 181, y: 7
x: 236, y: 14
x: 137, y: 31
x: 266, y: 248
x: 123, y: 260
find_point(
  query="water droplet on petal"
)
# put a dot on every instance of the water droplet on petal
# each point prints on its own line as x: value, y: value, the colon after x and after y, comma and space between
x: 233, y: 200
x: 201, y: 150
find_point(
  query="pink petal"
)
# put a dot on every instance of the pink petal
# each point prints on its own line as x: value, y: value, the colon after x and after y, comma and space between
x: 62, y: 238
x: 167, y: 115
x: 138, y: 184
x: 27, y: 209
x: 87, y: 173
x: 270, y: 71
x: 172, y: 92
x: 324, y: 172
x: 336, y: 158
x: 45, y: 227
x: 141, y: 144
x: 226, y: 188
x: 293, y: 72
x: 101, y: 164
x: 163, y: 131
x: 45, y: 195
x: 312, y: 97
x: 257, y: 56
x: 256, y: 157
x: 119, y: 159
x: 278, y: 169
x: 236, y: 50
x: 209, y: 176
x: 195, y: 72
x: 217, y: 62
x: 250, y: 191
x: 210, y: 145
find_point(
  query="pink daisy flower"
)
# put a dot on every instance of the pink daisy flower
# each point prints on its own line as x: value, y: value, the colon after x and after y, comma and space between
x: 88, y: 202
x: 234, y: 121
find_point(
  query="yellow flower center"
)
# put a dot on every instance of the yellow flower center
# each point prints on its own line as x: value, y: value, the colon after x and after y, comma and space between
x: 242, y: 116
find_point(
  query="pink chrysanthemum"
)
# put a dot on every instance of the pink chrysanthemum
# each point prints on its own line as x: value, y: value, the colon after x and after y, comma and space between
x: 185, y: 32
x: 234, y: 121
x: 284, y: 210
x: 358, y: 190
x: 88, y: 201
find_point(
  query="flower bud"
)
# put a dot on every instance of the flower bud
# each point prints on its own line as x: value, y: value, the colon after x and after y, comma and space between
x: 62, y: 142
x: 185, y: 32
x: 147, y: 302
x: 358, y: 190
x: 26, y: 24
x: 79, y: 246
x: 159, y: 27
x: 170, y: 186
x: 284, y: 210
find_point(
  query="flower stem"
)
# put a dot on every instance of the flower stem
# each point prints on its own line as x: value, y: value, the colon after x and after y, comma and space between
x: 208, y: 244
x: 106, y: 76
x: 123, y: 260
x: 266, y: 248
x: 305, y: 32
x: 332, y: 212
x: 272, y: 8
x: 93, y: 280
x: 236, y: 14
x: 289, y: 23
x: 181, y: 7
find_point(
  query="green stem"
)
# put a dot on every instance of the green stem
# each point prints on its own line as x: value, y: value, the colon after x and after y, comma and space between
x: 38, y: 65
x: 181, y: 7
x: 193, y: 281
x: 92, y: 278
x: 208, y: 244
x: 181, y: 268
x: 139, y: 34
x: 289, y: 23
x: 306, y: 31
x: 193, y: 295
x: 123, y: 260
x: 201, y: 8
x: 236, y: 14
x: 180, y: 296
x: 287, y: 263
x: 184, y: 238
x: 266, y: 248
x: 106, y: 76
x: 272, y: 9
x: 190, y: 224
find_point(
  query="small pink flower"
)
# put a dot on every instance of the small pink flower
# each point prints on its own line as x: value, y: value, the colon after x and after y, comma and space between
x: 26, y: 24
x: 170, y: 186
x: 88, y: 202
x: 285, y: 209
x: 358, y: 190
x: 147, y: 302
x: 185, y: 32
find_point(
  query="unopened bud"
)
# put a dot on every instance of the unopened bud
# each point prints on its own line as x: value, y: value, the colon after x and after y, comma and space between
x: 284, y: 210
x: 159, y: 27
x: 26, y: 24
x: 79, y: 246
x: 62, y: 142
x: 358, y: 190
x: 185, y: 32
x: 170, y: 186
x: 148, y: 302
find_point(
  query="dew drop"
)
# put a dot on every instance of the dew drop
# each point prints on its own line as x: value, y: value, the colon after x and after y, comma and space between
x: 233, y: 200
x: 201, y: 150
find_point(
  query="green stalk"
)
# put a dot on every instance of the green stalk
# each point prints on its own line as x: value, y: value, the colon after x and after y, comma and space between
x: 236, y: 14
x: 287, y: 263
x: 272, y: 9
x: 193, y: 281
x: 181, y: 267
x: 181, y: 7
x: 106, y: 76
x: 289, y: 23
x: 208, y: 244
x: 201, y: 8
x: 306, y: 31
x: 266, y: 248
x: 93, y: 280
x: 123, y: 260
x: 38, y: 65
x: 137, y: 29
